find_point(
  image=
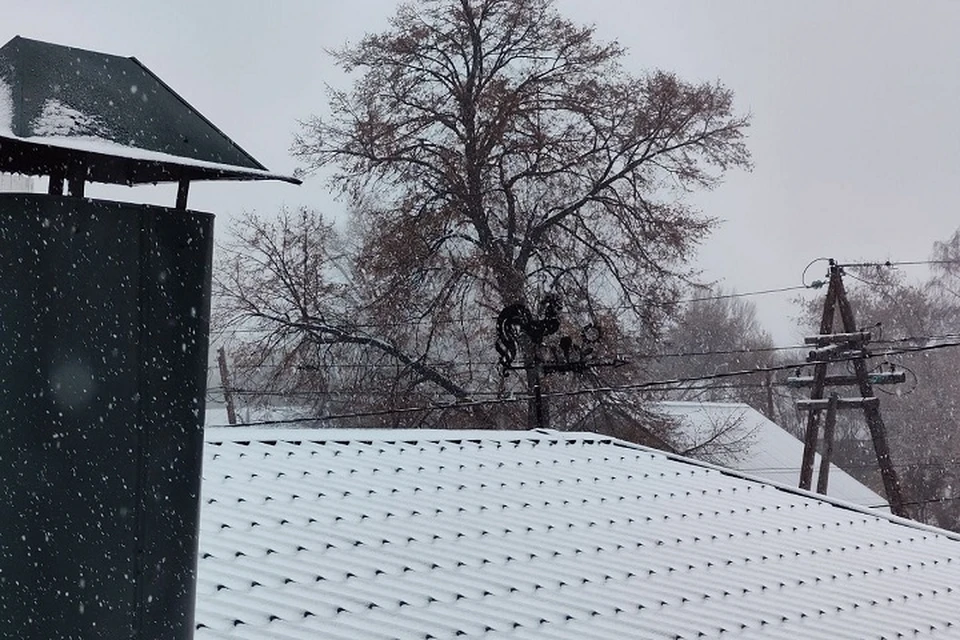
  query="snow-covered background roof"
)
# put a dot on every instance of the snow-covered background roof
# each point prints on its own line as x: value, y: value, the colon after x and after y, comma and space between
x: 755, y: 445
x: 439, y: 534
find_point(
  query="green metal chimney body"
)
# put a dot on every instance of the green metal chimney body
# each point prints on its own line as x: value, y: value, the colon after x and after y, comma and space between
x: 103, y: 352
x: 104, y: 310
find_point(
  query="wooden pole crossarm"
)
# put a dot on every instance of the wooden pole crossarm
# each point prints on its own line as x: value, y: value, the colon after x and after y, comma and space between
x: 858, y: 337
x: 834, y: 352
x: 896, y: 377
x: 842, y: 403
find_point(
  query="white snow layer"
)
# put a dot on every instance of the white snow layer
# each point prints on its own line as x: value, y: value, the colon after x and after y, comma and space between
x: 95, y: 144
x: 751, y: 443
x: 64, y: 127
x: 59, y: 119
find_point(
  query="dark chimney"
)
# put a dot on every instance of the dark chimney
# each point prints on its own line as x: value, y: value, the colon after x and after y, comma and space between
x: 104, y: 311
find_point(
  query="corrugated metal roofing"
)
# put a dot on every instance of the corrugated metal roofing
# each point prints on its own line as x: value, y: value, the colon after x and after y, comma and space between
x: 755, y: 445
x: 63, y: 106
x: 442, y: 534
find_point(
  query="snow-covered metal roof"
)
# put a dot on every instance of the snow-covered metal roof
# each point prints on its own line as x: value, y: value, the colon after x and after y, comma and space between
x: 110, y: 115
x: 753, y: 444
x: 440, y: 534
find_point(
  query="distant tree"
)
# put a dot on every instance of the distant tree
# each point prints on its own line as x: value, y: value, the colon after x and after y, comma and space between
x: 492, y: 152
x: 945, y: 280
x: 719, y: 333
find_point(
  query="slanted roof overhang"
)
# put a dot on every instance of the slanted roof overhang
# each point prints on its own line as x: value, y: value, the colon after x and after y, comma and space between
x: 105, y: 118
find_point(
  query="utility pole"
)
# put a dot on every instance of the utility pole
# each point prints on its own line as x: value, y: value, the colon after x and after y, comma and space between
x: 848, y: 346
x: 225, y: 385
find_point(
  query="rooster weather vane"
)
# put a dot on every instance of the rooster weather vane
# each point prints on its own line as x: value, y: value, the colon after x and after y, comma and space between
x: 568, y: 356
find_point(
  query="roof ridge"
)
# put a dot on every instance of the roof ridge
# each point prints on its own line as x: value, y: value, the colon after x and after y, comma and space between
x: 247, y: 434
x: 196, y: 112
x: 68, y: 46
x: 694, y: 403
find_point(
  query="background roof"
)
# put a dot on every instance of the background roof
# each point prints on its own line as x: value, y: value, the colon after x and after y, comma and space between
x: 757, y: 446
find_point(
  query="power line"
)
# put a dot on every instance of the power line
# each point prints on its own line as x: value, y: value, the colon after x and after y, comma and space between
x: 916, y: 349
x: 631, y: 355
x: 497, y: 394
x: 896, y: 263
x: 816, y: 284
x: 482, y: 363
x: 763, y: 369
x: 863, y: 265
x: 717, y: 352
x: 479, y: 317
x: 928, y: 463
x: 944, y: 336
x: 640, y: 386
x: 747, y: 294
x: 915, y: 503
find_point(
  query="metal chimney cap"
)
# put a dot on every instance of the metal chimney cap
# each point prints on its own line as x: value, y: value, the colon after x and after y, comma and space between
x: 106, y: 118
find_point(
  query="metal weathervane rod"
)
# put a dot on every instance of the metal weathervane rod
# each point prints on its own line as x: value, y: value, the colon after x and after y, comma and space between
x: 519, y: 332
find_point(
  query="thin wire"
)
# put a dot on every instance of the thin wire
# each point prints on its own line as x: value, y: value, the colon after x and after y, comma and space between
x: 877, y: 285
x: 718, y: 352
x: 724, y: 296
x: 917, y: 349
x: 649, y: 385
x: 816, y: 284
x: 898, y: 263
x: 637, y: 356
x: 915, y: 503
x: 481, y: 363
x: 352, y: 365
x: 949, y: 462
x: 803, y: 274
x: 944, y: 336
x: 496, y: 394
x: 481, y: 317
x: 898, y: 393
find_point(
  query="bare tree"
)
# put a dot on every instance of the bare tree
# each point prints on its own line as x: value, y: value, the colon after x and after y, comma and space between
x: 491, y: 149
x: 299, y: 324
x: 715, y: 334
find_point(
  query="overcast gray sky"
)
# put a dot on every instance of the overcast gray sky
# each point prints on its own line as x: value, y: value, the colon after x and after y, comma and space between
x: 855, y: 105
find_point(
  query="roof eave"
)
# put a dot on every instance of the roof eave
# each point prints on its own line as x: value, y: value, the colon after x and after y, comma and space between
x: 41, y: 158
